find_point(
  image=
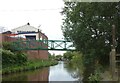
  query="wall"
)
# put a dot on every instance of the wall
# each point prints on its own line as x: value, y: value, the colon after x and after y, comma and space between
x: 32, y: 54
x: 4, y: 37
x: 39, y: 54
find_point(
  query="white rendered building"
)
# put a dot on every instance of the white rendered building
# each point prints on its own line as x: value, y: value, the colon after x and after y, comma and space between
x: 29, y: 32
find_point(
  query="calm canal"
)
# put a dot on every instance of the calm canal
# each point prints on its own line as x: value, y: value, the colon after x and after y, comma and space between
x: 60, y: 72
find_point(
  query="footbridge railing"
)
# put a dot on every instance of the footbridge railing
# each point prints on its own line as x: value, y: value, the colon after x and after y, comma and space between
x: 43, y: 45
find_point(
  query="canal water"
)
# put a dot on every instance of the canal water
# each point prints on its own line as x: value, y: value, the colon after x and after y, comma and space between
x: 59, y: 72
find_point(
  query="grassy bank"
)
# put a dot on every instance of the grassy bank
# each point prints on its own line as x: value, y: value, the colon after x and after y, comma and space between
x: 16, y: 61
x: 30, y: 65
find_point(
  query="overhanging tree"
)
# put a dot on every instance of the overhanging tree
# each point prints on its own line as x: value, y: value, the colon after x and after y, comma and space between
x: 89, y: 26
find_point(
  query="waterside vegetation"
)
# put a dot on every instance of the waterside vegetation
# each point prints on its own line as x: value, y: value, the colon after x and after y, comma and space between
x: 89, y: 27
x: 16, y: 61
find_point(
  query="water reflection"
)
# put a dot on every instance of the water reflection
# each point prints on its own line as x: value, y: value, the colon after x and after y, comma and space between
x: 36, y: 75
x: 74, y: 71
x: 60, y: 72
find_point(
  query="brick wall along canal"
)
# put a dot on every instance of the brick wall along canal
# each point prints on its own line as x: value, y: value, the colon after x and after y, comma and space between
x: 60, y: 72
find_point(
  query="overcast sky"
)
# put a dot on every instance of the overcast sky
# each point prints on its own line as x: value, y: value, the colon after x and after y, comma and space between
x: 15, y: 13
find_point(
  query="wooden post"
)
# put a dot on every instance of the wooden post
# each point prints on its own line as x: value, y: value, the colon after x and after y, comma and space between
x: 113, y: 36
x: 113, y: 64
x: 113, y: 55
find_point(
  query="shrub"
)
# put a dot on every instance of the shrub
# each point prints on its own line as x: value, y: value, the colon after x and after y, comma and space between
x: 21, y: 58
x: 8, y: 57
x: 8, y: 46
x: 96, y: 76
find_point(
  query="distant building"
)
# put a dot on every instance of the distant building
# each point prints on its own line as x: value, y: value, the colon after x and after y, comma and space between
x: 27, y: 32
x: 7, y: 32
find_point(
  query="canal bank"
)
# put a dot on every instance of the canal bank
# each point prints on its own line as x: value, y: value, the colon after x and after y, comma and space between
x: 17, y: 61
x: 59, y: 72
x: 30, y: 65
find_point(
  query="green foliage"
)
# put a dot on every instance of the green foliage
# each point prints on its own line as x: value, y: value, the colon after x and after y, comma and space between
x: 58, y: 57
x: 10, y: 58
x: 89, y: 26
x: 75, y: 65
x: 8, y: 46
x: 95, y: 78
x: 68, y: 55
x: 55, y: 57
x: 77, y: 57
x: 30, y: 65
x: 21, y: 58
x: 51, y: 57
x: 16, y: 61
x: 74, y: 57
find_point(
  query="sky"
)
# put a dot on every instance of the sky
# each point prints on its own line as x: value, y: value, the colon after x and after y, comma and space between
x: 43, y: 13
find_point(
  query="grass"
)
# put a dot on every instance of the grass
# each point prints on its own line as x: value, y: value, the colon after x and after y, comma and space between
x: 30, y: 65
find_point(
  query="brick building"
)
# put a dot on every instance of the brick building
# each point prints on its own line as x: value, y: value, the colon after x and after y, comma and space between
x: 27, y: 32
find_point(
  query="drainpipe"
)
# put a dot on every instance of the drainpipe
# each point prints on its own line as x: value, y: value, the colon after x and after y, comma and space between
x: 39, y: 40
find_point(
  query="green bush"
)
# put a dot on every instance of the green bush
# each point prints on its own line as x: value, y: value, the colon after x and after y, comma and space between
x: 96, y: 76
x: 21, y: 58
x: 10, y: 58
x: 8, y: 46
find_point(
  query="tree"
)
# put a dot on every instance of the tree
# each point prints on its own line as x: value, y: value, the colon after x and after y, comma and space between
x: 89, y: 26
x: 58, y: 57
x: 51, y: 57
x: 68, y: 55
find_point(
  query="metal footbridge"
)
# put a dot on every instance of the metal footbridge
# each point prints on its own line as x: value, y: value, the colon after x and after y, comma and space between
x: 59, y: 45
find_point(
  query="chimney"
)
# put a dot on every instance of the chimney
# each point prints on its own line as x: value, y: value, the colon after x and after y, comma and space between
x: 28, y: 23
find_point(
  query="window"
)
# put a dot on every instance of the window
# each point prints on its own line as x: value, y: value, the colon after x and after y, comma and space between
x: 30, y: 37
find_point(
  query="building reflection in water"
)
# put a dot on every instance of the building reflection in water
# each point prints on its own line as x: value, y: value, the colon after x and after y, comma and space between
x: 36, y: 75
x: 42, y: 75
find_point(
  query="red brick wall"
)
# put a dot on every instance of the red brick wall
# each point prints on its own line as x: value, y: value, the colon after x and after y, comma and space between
x: 39, y: 54
x: 32, y: 54
x: 4, y: 37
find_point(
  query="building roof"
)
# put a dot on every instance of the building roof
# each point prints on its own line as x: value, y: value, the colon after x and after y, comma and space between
x: 25, y: 28
x: 7, y: 32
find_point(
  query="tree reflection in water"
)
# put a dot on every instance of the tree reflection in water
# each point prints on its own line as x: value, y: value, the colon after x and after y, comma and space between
x: 74, y: 70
